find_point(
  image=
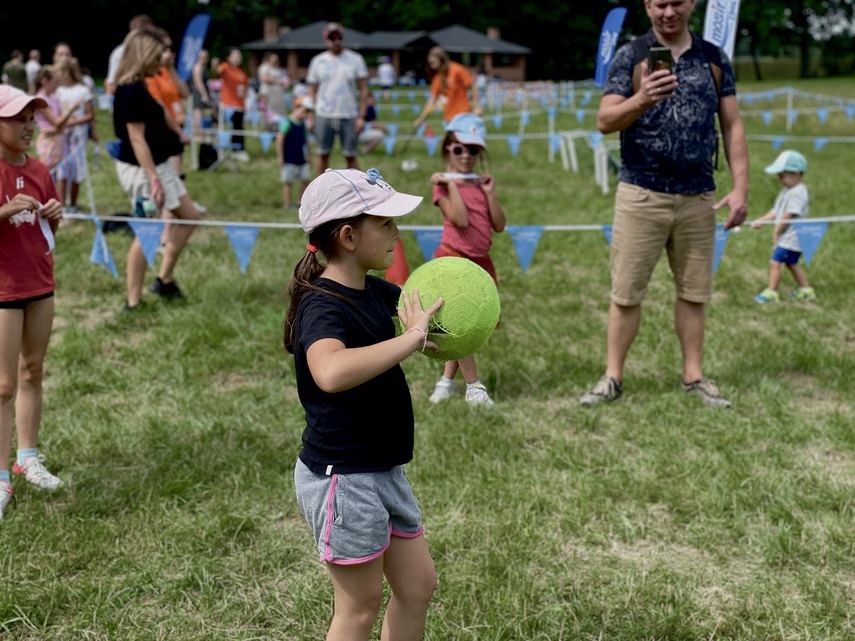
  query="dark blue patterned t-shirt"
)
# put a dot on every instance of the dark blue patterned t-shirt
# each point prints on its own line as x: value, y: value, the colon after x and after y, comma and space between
x: 671, y: 145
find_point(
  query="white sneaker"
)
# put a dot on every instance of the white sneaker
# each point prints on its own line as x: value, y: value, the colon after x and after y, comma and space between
x: 242, y: 156
x: 442, y: 391
x: 36, y: 473
x: 200, y: 207
x: 477, y: 395
x: 6, y: 493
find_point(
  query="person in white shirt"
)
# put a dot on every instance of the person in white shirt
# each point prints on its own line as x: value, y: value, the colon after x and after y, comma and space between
x: 387, y: 76
x: 333, y: 78
x: 32, y: 68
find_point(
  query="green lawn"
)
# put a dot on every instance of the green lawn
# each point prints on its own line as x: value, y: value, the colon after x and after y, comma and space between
x: 655, y: 518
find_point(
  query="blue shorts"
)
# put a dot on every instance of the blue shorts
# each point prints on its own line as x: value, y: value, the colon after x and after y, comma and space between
x: 326, y: 130
x: 786, y: 256
x: 354, y: 516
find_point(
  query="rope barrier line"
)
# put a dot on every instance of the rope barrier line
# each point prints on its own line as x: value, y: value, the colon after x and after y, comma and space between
x: 223, y: 223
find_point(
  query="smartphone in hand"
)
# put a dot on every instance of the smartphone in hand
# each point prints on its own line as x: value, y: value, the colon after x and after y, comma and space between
x: 659, y: 58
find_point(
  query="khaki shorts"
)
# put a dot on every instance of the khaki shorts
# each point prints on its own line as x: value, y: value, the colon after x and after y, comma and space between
x: 136, y: 184
x: 646, y: 222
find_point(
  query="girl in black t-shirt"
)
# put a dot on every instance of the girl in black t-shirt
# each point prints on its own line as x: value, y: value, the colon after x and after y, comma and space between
x: 349, y: 476
x: 145, y: 144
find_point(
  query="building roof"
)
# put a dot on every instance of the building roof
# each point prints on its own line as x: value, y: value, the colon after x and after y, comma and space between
x: 454, y: 39
x: 461, y: 39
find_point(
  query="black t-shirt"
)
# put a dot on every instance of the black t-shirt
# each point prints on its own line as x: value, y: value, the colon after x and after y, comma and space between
x: 368, y: 428
x: 133, y: 103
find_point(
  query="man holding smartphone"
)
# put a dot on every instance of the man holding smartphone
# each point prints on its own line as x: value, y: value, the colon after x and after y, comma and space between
x: 666, y: 193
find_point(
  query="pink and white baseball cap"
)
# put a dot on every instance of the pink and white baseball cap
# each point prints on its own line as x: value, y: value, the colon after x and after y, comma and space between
x: 13, y: 101
x: 344, y: 193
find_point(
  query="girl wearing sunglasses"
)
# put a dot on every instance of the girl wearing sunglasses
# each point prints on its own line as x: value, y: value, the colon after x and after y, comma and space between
x: 470, y: 214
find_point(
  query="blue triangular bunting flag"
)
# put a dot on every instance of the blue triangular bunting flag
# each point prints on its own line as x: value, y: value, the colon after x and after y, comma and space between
x: 411, y: 95
x: 819, y: 143
x: 430, y: 143
x: 429, y: 240
x: 149, y: 236
x: 596, y: 138
x: 580, y: 115
x: 497, y: 121
x: 551, y: 113
x: 850, y: 112
x: 394, y: 95
x: 393, y: 129
x: 223, y: 137
x: 266, y: 138
x: 396, y: 109
x: 101, y: 252
x: 524, y: 117
x: 389, y: 142
x: 777, y: 141
x: 416, y: 109
x: 810, y: 235
x: 243, y: 239
x: 792, y: 116
x: 525, y: 241
x: 607, y: 232
x: 586, y: 98
x: 822, y: 114
x: 421, y: 129
x: 554, y: 142
x: 767, y: 117
x: 514, y: 143
x: 720, y: 242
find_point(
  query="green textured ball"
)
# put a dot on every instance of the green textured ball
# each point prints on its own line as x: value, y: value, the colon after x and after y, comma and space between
x: 470, y: 310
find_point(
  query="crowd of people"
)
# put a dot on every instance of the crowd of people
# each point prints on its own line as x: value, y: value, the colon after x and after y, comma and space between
x: 339, y: 325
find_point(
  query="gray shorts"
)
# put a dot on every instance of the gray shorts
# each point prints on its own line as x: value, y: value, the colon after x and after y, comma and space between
x: 290, y: 173
x: 326, y: 130
x: 353, y: 516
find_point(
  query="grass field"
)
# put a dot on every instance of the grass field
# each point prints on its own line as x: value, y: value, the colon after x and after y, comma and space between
x: 655, y: 518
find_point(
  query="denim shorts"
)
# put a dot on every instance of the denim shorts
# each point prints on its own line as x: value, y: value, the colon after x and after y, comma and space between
x: 326, y: 130
x: 353, y: 516
x: 291, y: 173
x: 786, y: 256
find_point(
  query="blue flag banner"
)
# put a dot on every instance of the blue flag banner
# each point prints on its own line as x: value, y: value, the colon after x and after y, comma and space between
x: 266, y: 137
x: 497, y: 121
x: 554, y: 142
x: 149, y: 236
x: 720, y: 24
x: 777, y: 141
x: 810, y: 235
x: 749, y: 99
x: 194, y: 40
x: 586, y: 99
x: 394, y: 95
x: 101, y: 252
x: 411, y: 95
x: 243, y: 239
x: 596, y: 138
x: 819, y: 143
x: 416, y: 109
x: 524, y: 117
x: 430, y: 143
x: 564, y: 102
x: 792, y: 116
x: 223, y: 137
x: 822, y: 115
x: 429, y: 240
x: 607, y: 232
x: 850, y: 112
x: 254, y: 117
x: 720, y: 242
x: 421, y: 130
x: 551, y: 113
x: 767, y: 117
x: 389, y: 142
x: 608, y: 44
x: 393, y: 129
x: 396, y: 109
x: 525, y: 241
x: 514, y: 144
x: 580, y: 115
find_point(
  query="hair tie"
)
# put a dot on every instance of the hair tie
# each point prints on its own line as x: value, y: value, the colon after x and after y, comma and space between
x: 312, y: 249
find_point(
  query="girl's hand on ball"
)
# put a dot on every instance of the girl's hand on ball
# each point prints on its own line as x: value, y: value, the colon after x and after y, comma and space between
x: 415, y: 318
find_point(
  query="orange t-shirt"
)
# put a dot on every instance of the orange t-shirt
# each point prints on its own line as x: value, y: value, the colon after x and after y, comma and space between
x: 162, y: 87
x: 235, y: 84
x: 458, y: 81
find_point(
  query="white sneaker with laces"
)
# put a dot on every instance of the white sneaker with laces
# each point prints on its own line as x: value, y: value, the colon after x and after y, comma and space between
x: 442, y: 391
x: 477, y: 395
x: 6, y: 493
x: 36, y: 473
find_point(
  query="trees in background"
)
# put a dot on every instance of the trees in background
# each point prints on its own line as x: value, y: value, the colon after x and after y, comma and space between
x: 562, y: 35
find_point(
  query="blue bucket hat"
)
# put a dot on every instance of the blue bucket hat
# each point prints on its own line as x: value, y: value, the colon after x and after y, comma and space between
x: 469, y: 129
